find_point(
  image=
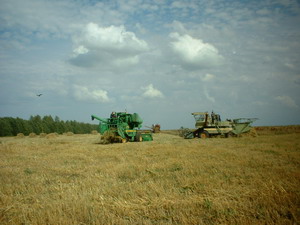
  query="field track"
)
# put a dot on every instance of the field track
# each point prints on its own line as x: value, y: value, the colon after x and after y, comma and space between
x: 60, y: 179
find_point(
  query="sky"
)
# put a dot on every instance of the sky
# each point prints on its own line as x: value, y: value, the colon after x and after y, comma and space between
x: 160, y: 59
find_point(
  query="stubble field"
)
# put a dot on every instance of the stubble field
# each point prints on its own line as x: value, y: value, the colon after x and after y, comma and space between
x: 74, y: 180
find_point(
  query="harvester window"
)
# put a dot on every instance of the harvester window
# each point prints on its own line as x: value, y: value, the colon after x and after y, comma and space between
x: 200, y: 117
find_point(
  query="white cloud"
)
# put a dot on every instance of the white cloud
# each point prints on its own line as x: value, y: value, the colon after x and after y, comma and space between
x: 82, y: 93
x: 151, y: 92
x: 120, y: 62
x: 287, y: 100
x: 80, y: 50
x: 208, y: 77
x: 194, y: 53
x: 290, y: 65
x: 210, y: 98
x: 111, y: 45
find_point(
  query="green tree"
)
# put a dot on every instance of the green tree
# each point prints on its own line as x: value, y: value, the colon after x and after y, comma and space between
x: 5, y: 127
x: 36, y: 124
x: 48, y: 124
x: 12, y: 126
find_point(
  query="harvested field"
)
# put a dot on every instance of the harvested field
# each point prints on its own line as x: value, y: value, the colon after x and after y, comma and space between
x: 75, y: 180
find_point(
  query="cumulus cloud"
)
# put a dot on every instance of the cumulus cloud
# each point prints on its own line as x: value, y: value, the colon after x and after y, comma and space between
x: 194, y: 53
x: 82, y: 93
x: 111, y: 45
x: 151, y: 92
x: 287, y: 100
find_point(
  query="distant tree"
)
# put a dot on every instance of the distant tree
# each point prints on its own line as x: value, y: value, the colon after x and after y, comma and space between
x: 48, y: 124
x: 5, y: 127
x: 56, y: 119
x: 14, y: 123
x: 59, y: 125
x: 12, y: 126
x: 24, y: 126
x: 68, y: 126
x: 36, y: 124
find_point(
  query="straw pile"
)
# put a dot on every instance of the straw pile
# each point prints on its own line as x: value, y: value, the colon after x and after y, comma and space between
x: 20, y: 135
x: 42, y: 135
x: 94, y: 132
x: 51, y: 135
x: 69, y: 133
x: 32, y: 135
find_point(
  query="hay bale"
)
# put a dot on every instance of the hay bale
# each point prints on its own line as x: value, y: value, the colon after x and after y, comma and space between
x: 20, y: 135
x: 51, y: 135
x: 94, y: 132
x: 69, y: 133
x: 42, y: 135
x: 32, y: 135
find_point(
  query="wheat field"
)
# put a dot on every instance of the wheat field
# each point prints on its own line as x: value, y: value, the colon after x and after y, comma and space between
x: 64, y: 179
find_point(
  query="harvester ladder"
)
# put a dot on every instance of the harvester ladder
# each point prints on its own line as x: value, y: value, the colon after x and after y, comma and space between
x: 219, y: 129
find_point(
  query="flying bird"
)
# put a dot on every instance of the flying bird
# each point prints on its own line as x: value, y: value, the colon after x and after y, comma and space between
x: 39, y: 95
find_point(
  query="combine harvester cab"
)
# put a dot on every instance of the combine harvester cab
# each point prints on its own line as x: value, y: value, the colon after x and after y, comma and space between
x: 209, y: 125
x: 122, y: 127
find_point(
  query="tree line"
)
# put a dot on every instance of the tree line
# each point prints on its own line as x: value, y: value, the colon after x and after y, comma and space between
x: 36, y: 124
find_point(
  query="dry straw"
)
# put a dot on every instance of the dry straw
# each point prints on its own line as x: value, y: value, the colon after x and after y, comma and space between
x: 69, y: 133
x: 94, y: 132
x: 42, y: 135
x: 32, y: 135
x: 20, y: 135
x: 51, y: 135
x: 170, y: 180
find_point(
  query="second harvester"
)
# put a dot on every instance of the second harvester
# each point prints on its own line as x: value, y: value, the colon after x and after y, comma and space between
x: 211, y: 125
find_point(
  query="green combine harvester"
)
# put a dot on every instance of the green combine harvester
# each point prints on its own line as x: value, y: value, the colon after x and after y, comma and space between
x: 211, y: 125
x: 122, y: 127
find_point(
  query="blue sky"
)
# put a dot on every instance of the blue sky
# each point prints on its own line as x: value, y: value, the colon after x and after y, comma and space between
x: 161, y: 59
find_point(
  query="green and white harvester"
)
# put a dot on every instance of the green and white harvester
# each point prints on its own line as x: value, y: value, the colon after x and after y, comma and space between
x: 210, y: 125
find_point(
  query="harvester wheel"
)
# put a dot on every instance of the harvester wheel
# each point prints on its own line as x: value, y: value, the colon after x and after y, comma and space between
x: 124, y: 140
x: 229, y: 134
x: 138, y: 137
x: 204, y: 134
